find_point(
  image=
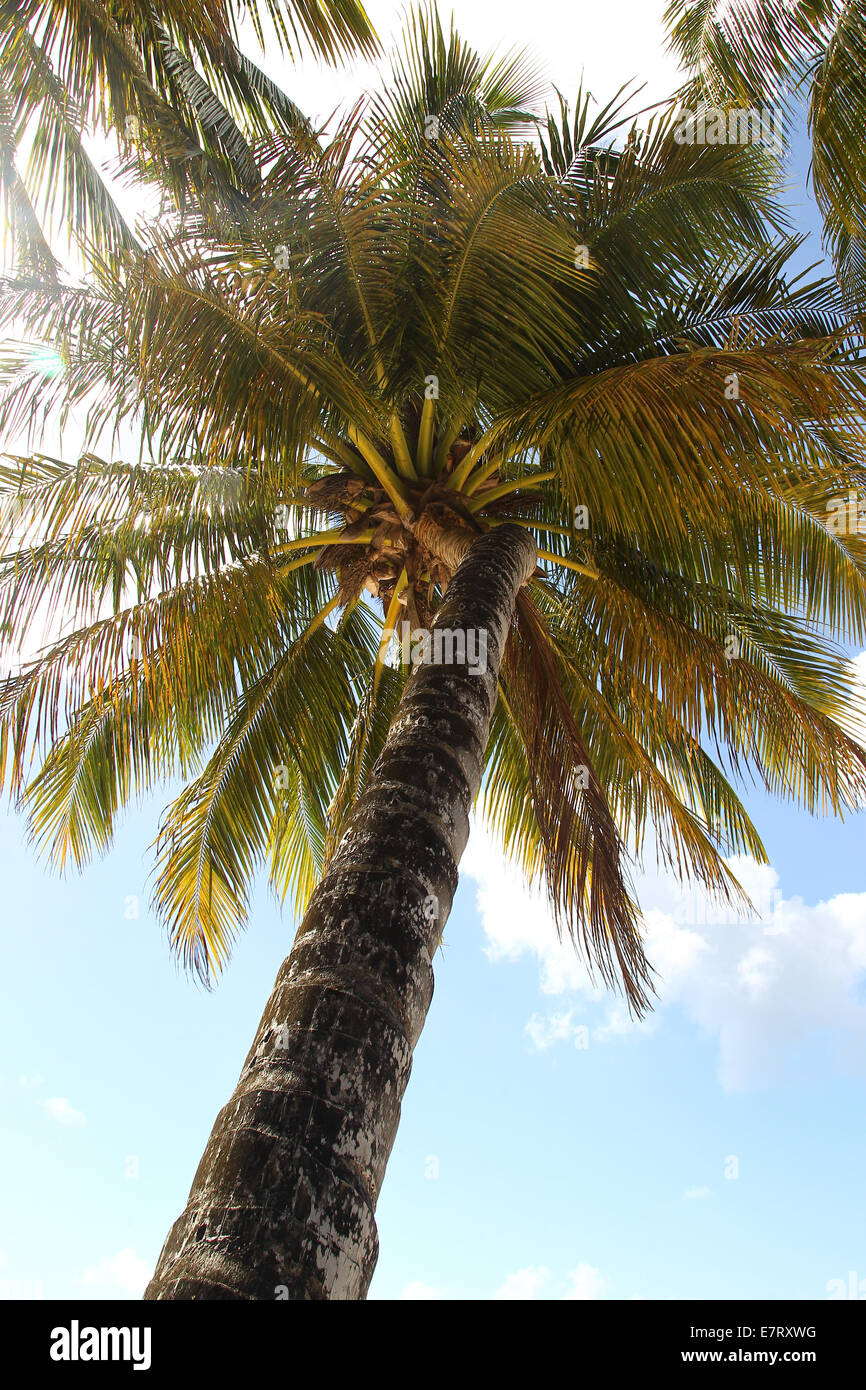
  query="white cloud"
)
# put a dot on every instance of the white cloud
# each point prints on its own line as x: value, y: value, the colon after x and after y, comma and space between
x: 418, y: 1291
x: 524, y: 1284
x: 544, y: 1032
x: 31, y: 1082
x: 759, y: 986
x: 124, y: 1271
x: 516, y: 918
x: 59, y: 1109
x: 586, y: 1282
x: 618, y: 1022
x: 583, y: 1282
x: 697, y: 1194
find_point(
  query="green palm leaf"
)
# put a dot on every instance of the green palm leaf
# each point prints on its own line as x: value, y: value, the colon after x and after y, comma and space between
x: 383, y: 347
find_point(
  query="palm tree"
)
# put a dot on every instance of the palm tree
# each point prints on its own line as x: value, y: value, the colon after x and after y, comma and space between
x: 552, y: 404
x: 169, y: 79
x: 784, y: 54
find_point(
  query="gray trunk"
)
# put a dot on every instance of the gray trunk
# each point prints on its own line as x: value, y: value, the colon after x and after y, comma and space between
x: 282, y: 1204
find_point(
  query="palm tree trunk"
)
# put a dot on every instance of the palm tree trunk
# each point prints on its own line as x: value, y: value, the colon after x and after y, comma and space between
x: 282, y: 1204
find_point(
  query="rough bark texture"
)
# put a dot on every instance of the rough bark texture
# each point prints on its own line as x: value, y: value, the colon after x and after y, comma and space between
x: 282, y: 1204
x: 448, y: 544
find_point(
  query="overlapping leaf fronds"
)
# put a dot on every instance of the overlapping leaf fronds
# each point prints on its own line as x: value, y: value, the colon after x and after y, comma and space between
x: 578, y: 838
x: 787, y: 54
x: 594, y: 335
x: 169, y: 80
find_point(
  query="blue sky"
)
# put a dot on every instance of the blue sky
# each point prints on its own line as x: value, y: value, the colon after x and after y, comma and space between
x: 547, y: 1148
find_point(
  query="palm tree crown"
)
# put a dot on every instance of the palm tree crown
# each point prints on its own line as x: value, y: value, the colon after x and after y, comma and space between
x: 431, y: 321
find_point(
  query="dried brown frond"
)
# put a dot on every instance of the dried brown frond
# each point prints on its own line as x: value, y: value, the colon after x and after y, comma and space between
x: 584, y: 856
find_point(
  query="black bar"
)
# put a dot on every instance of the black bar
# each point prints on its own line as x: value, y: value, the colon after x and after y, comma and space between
x: 733, y: 1336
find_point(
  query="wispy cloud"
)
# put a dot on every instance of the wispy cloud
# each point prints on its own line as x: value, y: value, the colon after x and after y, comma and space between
x: 536, y: 1281
x: 125, y: 1271
x: 586, y: 1282
x: 58, y: 1108
x: 543, y: 1032
x: 418, y: 1291
x: 524, y: 1284
x: 759, y: 986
